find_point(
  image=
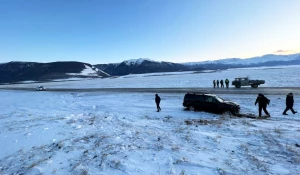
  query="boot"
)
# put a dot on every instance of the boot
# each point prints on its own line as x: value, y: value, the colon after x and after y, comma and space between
x: 295, y: 112
x: 284, y: 114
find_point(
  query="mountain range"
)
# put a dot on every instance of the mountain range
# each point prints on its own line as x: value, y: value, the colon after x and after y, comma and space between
x: 140, y: 66
x: 13, y: 72
x: 265, y: 60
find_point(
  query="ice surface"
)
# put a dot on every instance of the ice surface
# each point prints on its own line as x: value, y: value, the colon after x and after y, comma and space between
x: 281, y: 76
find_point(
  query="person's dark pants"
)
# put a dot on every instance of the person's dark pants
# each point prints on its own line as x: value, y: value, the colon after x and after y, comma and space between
x: 217, y: 85
x: 262, y: 107
x: 222, y: 85
x: 158, y: 107
x: 214, y: 86
x: 227, y: 85
x: 289, y: 108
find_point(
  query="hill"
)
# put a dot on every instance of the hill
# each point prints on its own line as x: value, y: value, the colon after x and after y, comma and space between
x: 13, y: 72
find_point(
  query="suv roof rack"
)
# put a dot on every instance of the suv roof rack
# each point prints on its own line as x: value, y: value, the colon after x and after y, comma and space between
x: 195, y: 93
x: 200, y: 93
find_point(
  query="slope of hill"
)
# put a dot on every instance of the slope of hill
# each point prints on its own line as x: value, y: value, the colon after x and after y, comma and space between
x: 30, y: 71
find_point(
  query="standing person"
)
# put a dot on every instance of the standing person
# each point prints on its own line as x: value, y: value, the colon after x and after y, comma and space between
x: 262, y: 104
x: 214, y: 82
x: 289, y: 104
x: 222, y: 83
x: 157, y: 101
x: 227, y: 83
x: 218, y: 83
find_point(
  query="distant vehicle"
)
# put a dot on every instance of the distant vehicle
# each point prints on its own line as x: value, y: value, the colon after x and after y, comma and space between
x: 40, y: 88
x: 209, y: 103
x: 245, y: 81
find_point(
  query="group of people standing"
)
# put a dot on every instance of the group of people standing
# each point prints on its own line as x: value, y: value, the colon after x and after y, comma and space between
x: 221, y: 82
x: 263, y: 101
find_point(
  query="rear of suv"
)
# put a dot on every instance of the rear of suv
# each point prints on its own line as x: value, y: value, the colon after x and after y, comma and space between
x: 209, y: 103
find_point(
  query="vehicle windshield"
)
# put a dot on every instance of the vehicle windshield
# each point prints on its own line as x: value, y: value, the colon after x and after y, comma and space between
x: 219, y: 99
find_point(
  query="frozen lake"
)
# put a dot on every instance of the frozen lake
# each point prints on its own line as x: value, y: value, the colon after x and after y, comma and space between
x: 286, y: 76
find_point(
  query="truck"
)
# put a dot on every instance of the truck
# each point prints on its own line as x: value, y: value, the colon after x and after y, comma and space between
x: 40, y: 88
x: 245, y: 81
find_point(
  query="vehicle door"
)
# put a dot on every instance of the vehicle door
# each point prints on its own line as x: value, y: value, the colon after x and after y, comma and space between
x: 244, y: 82
x: 200, y: 102
x: 212, y: 104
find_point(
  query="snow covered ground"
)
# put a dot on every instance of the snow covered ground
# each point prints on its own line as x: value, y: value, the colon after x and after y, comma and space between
x: 108, y: 133
x: 281, y: 76
x: 120, y: 133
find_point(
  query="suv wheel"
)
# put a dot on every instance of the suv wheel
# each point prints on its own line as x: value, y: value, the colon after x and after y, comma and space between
x: 254, y: 85
x: 234, y: 111
x: 192, y: 108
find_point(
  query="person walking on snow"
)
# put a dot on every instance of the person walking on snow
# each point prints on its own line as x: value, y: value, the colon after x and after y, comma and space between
x: 262, y: 104
x: 227, y: 83
x: 218, y: 83
x: 289, y: 104
x: 222, y: 84
x: 157, y: 101
x: 214, y: 82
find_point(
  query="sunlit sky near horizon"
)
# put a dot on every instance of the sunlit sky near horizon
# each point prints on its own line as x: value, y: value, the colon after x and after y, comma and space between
x: 110, y: 31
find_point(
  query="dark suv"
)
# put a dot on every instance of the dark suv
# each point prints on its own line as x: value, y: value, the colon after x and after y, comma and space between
x: 210, y: 103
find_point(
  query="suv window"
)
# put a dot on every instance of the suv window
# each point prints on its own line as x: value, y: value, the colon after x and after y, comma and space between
x: 195, y: 97
x: 200, y: 98
x: 189, y: 97
x: 210, y: 99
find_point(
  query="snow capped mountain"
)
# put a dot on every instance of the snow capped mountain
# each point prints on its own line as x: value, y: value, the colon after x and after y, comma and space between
x: 144, y: 65
x: 137, y: 61
x: 250, y: 61
x: 140, y: 66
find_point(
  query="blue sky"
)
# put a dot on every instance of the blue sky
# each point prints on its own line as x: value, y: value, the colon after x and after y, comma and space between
x: 109, y: 31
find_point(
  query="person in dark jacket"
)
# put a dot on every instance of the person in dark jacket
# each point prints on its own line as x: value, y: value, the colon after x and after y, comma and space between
x: 222, y: 83
x: 289, y: 104
x: 262, y: 104
x: 157, y: 101
x: 214, y: 82
x: 227, y: 83
x: 218, y: 83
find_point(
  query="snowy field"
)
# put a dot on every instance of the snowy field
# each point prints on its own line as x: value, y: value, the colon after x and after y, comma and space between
x: 119, y: 133
x: 281, y: 76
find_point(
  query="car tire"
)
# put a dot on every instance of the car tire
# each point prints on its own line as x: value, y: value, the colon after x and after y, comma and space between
x: 192, y: 108
x: 234, y: 111
x: 254, y: 85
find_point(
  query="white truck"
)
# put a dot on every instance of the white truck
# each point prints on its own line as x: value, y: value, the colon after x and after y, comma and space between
x: 40, y: 88
x: 245, y: 81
